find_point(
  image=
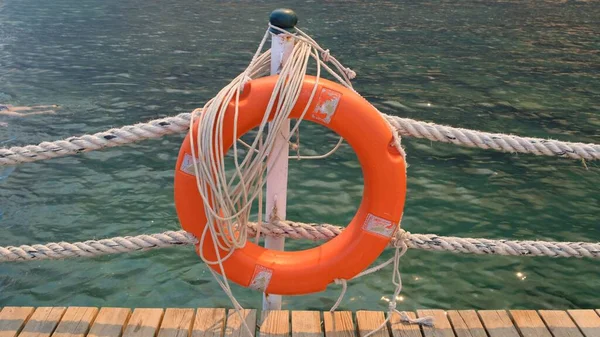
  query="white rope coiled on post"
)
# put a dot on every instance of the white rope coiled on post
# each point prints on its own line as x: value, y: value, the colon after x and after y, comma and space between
x: 227, y: 199
x: 298, y: 230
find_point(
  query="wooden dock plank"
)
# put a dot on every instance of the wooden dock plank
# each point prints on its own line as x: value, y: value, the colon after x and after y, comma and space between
x: 441, y: 328
x: 368, y: 321
x: 209, y: 323
x: 402, y: 329
x: 466, y: 323
x: 177, y: 322
x: 76, y: 322
x: 498, y: 324
x: 338, y: 324
x: 306, y: 324
x: 144, y: 322
x: 559, y: 323
x: 109, y: 322
x: 529, y: 323
x: 43, y: 322
x: 12, y: 320
x: 588, y: 321
x: 235, y: 328
x: 275, y: 323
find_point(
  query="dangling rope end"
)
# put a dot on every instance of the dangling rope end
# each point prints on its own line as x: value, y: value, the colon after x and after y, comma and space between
x: 344, y: 288
x: 427, y: 320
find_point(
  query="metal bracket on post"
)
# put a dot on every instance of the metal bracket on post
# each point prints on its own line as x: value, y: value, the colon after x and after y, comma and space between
x: 281, y: 48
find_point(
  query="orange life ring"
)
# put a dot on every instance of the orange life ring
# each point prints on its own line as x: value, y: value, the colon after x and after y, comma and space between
x: 369, y: 232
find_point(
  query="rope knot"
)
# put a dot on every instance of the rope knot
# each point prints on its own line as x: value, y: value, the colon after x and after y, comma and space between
x: 350, y: 73
x: 402, y: 239
x: 326, y: 55
x: 246, y: 78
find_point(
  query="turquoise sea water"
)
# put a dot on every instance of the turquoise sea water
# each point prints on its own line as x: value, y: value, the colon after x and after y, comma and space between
x: 522, y: 67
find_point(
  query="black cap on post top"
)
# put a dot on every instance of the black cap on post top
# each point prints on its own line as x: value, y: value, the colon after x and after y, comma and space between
x: 283, y: 18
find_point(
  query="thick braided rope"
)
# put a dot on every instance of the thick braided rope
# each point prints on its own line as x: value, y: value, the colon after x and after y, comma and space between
x: 297, y: 230
x: 110, y: 138
x: 495, y: 141
x: 406, y: 127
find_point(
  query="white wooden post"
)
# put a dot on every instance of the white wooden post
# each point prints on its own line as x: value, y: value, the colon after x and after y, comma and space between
x: 281, y: 48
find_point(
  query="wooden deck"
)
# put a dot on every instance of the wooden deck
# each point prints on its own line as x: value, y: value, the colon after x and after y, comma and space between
x: 208, y: 322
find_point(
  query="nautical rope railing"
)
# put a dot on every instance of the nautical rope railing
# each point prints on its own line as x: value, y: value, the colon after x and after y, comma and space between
x: 405, y: 126
x: 298, y: 230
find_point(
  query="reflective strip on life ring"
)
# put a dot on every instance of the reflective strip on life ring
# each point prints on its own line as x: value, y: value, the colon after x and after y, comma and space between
x: 369, y: 232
